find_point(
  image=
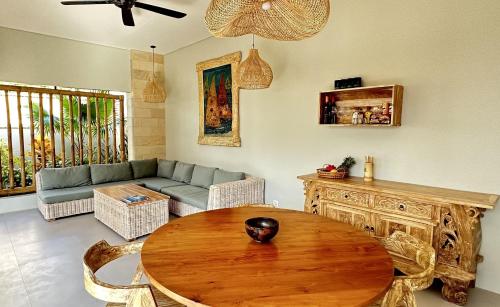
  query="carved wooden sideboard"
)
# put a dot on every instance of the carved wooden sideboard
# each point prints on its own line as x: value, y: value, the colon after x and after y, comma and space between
x: 447, y: 219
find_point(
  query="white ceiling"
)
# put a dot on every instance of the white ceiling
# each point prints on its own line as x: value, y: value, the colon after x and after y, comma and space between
x: 102, y: 24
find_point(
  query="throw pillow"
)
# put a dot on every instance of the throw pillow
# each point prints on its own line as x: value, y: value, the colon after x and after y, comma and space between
x: 67, y: 177
x: 203, y: 176
x: 222, y: 176
x: 183, y: 172
x: 144, y: 168
x: 166, y: 168
x: 102, y: 173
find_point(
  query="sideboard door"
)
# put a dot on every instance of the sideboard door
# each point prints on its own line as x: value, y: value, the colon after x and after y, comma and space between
x: 386, y: 225
x: 360, y: 219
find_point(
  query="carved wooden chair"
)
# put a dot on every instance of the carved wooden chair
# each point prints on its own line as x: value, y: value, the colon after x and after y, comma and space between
x: 257, y: 205
x: 415, y: 259
x: 134, y: 295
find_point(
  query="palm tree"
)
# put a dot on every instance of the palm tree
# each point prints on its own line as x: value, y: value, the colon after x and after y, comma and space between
x: 105, y: 109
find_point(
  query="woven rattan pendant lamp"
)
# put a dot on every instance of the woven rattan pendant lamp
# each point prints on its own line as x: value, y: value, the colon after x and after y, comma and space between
x: 285, y: 20
x: 254, y: 73
x: 154, y: 92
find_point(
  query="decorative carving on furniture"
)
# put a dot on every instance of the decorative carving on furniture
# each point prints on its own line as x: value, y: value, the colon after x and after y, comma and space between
x: 418, y: 268
x: 448, y: 245
x: 455, y: 290
x: 349, y: 197
x: 447, y: 219
x: 312, y: 198
x: 460, y: 235
x: 409, y: 207
x: 459, y: 243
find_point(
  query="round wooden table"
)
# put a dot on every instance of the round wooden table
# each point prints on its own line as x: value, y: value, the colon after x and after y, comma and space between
x: 208, y: 259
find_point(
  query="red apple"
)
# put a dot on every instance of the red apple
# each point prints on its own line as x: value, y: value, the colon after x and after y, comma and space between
x: 329, y: 167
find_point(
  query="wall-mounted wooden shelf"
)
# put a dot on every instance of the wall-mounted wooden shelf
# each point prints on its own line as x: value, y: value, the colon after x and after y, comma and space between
x: 373, y: 106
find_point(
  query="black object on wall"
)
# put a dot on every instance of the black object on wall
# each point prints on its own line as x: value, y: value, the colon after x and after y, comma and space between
x: 348, y: 83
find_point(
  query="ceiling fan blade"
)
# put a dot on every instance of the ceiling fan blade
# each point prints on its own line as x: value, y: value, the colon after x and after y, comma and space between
x: 160, y: 10
x: 86, y: 2
x: 127, y: 17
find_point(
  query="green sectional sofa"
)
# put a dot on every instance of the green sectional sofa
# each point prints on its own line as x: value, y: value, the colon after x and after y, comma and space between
x: 192, y: 188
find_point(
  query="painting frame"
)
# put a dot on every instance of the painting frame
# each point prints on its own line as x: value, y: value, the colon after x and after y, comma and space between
x: 232, y: 140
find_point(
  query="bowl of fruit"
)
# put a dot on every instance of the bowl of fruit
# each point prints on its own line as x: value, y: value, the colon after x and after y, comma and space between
x: 333, y: 172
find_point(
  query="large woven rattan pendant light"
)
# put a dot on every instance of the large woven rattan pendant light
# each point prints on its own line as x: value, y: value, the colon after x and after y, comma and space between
x: 154, y: 92
x: 254, y: 73
x: 285, y: 20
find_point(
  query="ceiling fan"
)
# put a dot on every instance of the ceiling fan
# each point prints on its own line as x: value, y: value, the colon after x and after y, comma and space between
x: 126, y: 7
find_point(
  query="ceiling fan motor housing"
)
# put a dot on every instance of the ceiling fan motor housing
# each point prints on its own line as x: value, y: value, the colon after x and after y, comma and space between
x: 128, y: 4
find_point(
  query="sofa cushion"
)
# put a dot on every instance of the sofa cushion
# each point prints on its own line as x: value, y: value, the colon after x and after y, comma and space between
x: 75, y: 193
x: 222, y: 176
x: 157, y: 183
x: 203, y: 176
x: 189, y: 194
x: 67, y: 194
x: 144, y: 168
x: 67, y: 177
x: 183, y: 172
x: 102, y: 173
x: 166, y: 168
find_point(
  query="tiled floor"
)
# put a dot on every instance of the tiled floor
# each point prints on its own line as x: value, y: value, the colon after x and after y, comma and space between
x: 40, y: 263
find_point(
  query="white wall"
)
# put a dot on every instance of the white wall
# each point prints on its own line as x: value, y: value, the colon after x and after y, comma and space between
x: 45, y: 60
x: 445, y: 53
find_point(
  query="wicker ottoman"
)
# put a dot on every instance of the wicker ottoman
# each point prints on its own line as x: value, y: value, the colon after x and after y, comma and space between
x: 130, y: 220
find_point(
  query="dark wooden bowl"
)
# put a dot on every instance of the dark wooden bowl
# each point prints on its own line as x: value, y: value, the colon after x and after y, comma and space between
x: 262, y: 229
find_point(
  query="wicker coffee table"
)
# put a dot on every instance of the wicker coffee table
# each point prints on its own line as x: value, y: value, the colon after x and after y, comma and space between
x: 130, y: 220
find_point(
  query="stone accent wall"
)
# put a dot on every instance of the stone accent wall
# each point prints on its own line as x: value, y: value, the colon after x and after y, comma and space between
x: 146, y: 120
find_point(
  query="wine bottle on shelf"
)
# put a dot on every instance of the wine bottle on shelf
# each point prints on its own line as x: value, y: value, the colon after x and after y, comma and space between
x: 390, y: 115
x: 333, y: 115
x: 326, y: 111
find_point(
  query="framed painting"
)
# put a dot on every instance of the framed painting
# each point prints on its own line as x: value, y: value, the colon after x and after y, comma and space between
x: 219, y: 101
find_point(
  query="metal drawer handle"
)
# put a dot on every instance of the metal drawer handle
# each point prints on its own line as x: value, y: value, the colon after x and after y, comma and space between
x: 402, y: 207
x: 346, y: 196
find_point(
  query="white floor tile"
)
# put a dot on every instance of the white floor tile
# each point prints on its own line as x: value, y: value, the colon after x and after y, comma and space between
x: 8, y: 259
x: 15, y: 296
x: 12, y: 290
x: 4, y: 235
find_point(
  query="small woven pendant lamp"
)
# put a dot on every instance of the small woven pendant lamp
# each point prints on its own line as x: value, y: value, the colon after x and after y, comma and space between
x: 284, y: 20
x: 254, y: 73
x: 153, y: 92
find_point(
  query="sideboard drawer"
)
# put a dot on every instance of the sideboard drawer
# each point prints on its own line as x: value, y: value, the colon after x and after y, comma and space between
x: 348, y: 197
x: 405, y: 207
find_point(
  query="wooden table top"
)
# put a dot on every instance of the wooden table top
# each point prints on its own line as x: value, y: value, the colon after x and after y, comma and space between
x: 119, y: 192
x: 208, y: 259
